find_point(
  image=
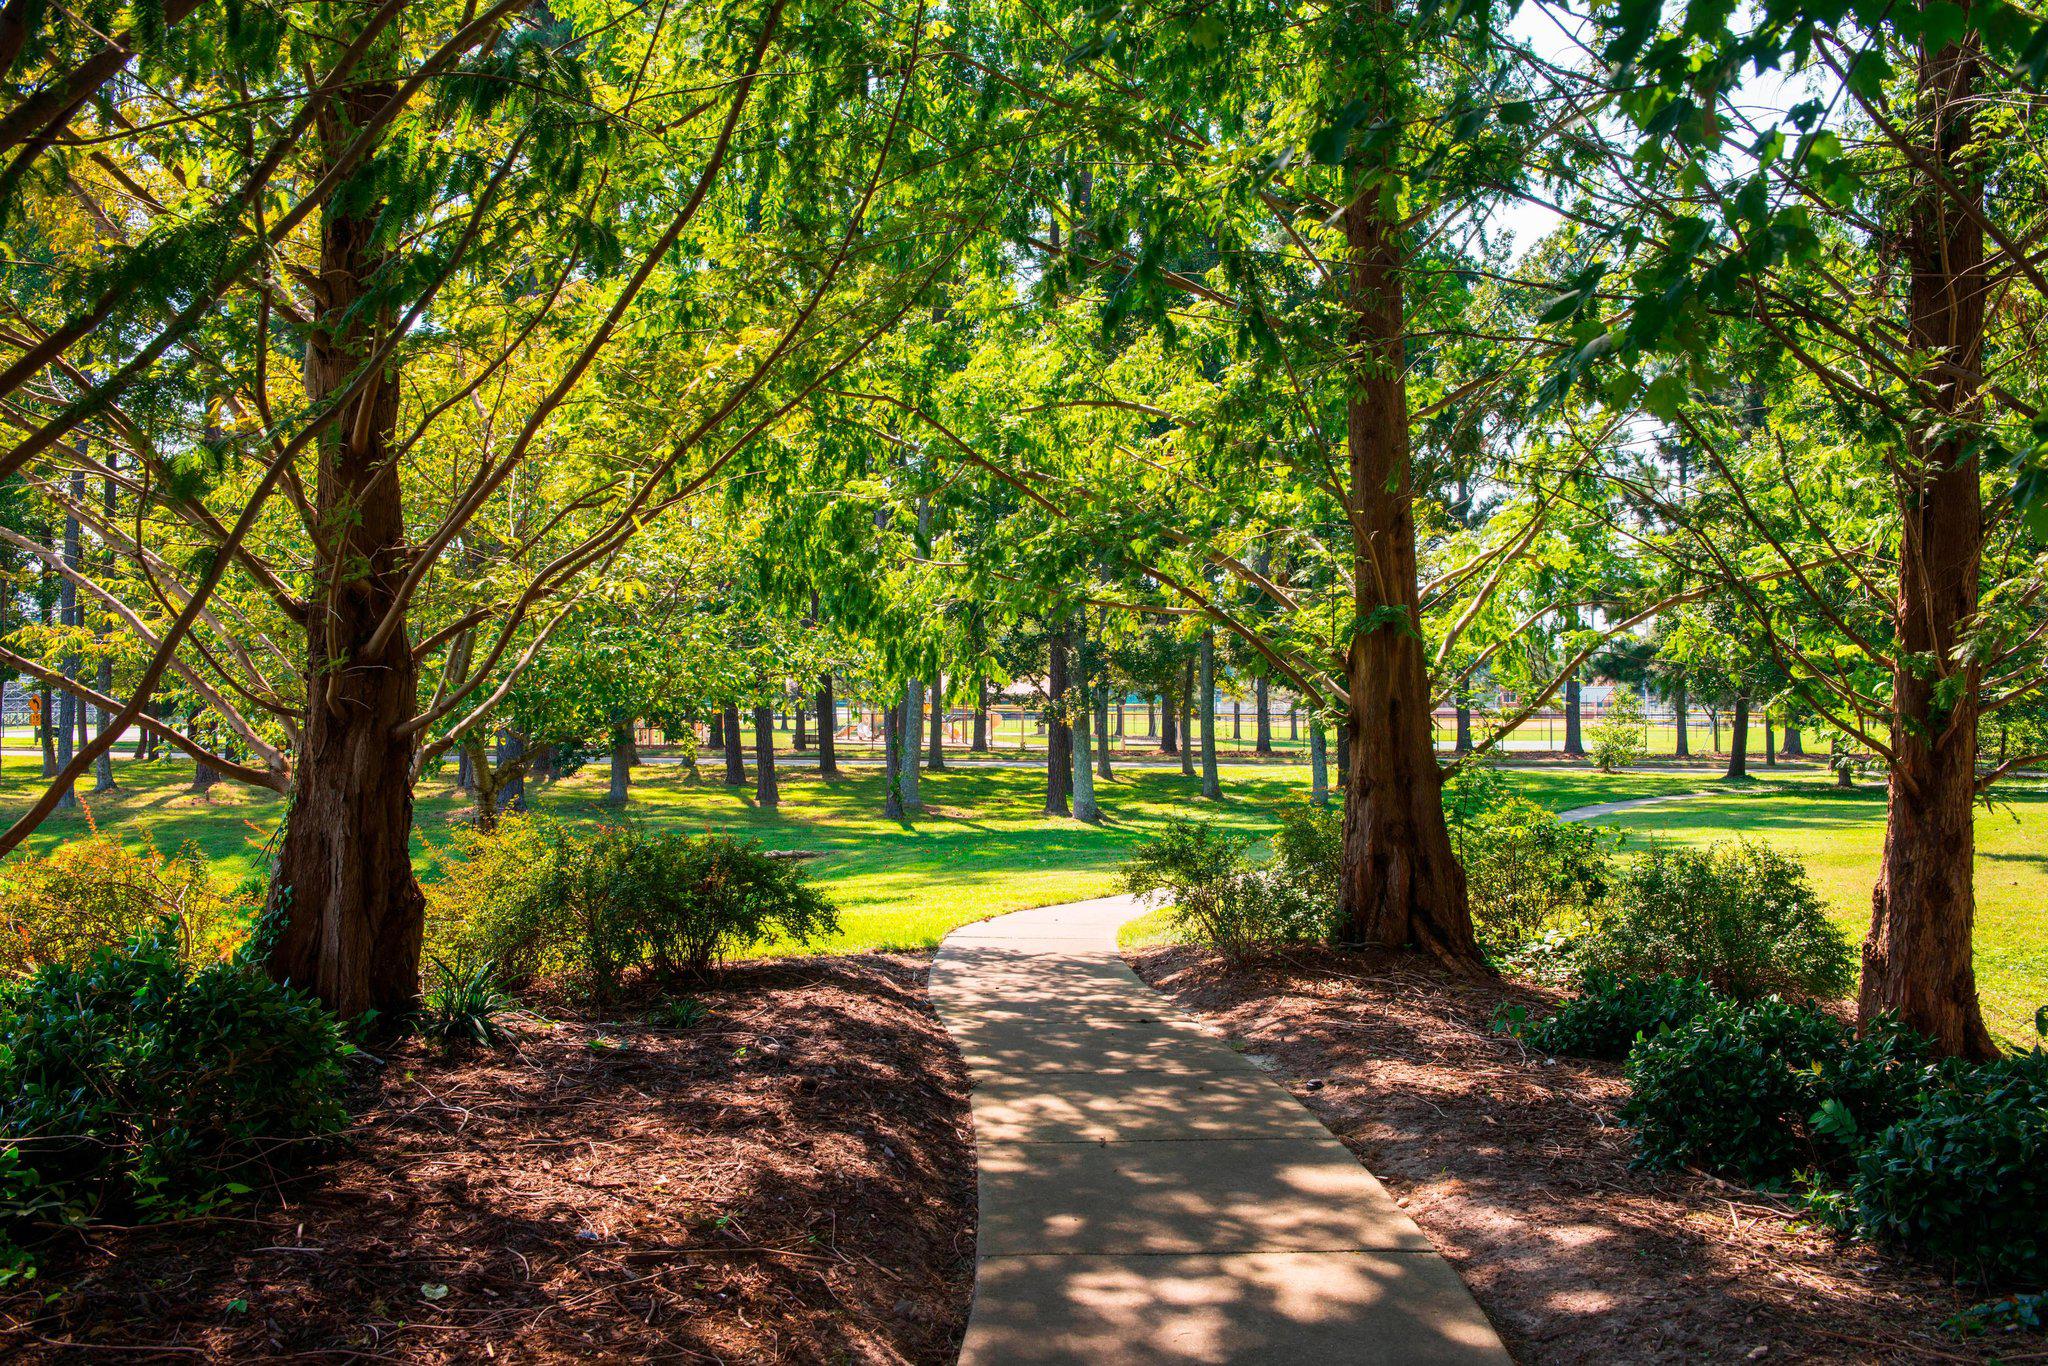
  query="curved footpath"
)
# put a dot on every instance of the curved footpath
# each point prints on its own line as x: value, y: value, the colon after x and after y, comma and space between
x: 1148, y: 1196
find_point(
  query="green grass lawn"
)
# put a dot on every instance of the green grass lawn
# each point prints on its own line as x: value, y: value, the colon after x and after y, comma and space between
x: 1839, y: 834
x: 984, y: 846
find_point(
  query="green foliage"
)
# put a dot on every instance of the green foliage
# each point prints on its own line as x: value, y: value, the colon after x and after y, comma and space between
x: 1309, y: 848
x: 1739, y: 914
x: 137, y: 1086
x: 1525, y: 869
x: 1619, y: 737
x: 462, y: 1004
x: 1610, y: 1013
x: 93, y: 893
x: 1220, y: 898
x: 1757, y: 1092
x: 590, y: 909
x: 1963, y: 1177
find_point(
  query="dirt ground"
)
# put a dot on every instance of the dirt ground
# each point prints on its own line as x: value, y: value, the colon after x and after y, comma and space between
x: 1513, y: 1164
x: 789, y: 1180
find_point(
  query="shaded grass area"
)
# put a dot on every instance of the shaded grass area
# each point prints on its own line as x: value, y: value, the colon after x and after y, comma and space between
x: 1839, y: 835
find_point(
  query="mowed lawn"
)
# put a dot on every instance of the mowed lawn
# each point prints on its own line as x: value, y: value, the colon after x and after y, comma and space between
x: 984, y: 845
x: 1839, y: 835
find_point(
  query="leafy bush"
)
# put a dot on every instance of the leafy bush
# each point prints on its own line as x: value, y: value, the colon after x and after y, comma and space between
x: 1221, y: 899
x: 1525, y: 869
x: 1739, y: 915
x: 136, y: 1085
x: 462, y: 1003
x: 536, y: 901
x: 1308, y: 849
x: 1963, y: 1177
x: 92, y: 893
x: 1610, y: 1013
x: 1618, y: 737
x: 1757, y: 1092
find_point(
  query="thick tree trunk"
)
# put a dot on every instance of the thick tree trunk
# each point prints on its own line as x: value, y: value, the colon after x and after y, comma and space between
x: 1795, y: 744
x: 1770, y: 743
x: 1169, y: 712
x: 979, y: 744
x: 352, y: 911
x: 1680, y: 704
x: 1059, y: 753
x: 512, y: 766
x: 1917, y: 960
x: 1187, y: 720
x: 828, y: 729
x: 1574, y: 731
x: 1738, y: 744
x: 1262, y: 731
x: 935, y: 755
x: 913, y: 728
x: 714, y: 737
x: 1400, y: 883
x: 1212, y: 786
x: 735, y: 755
x: 1463, y: 744
x: 766, y: 794
x: 801, y: 739
x: 1318, y: 765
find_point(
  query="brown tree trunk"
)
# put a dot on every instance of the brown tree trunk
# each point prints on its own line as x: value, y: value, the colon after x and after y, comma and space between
x: 828, y: 719
x: 766, y: 794
x: 1738, y: 742
x: 1574, y: 715
x: 1262, y: 730
x: 935, y: 756
x: 1400, y: 884
x: 979, y: 744
x: 352, y: 911
x: 1059, y: 741
x: 1681, y: 704
x: 1917, y: 961
x: 735, y: 756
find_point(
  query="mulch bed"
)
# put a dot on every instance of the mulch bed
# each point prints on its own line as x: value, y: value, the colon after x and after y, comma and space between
x: 790, y: 1180
x: 1514, y: 1166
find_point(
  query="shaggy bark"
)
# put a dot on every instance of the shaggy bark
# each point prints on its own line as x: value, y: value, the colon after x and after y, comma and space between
x: 351, y: 912
x: 1917, y: 960
x: 1399, y: 882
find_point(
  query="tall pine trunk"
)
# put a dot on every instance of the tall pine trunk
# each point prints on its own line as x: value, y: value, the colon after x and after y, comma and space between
x: 1917, y: 960
x: 1400, y: 884
x: 352, y: 912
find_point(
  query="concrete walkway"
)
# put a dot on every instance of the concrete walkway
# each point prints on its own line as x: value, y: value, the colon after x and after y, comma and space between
x: 1147, y: 1196
x: 1595, y: 812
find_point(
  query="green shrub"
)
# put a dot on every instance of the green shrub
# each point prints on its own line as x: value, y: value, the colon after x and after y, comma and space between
x: 1525, y: 869
x: 1963, y: 1177
x: 92, y: 893
x: 138, y: 1086
x: 1739, y: 915
x: 1220, y: 898
x: 1757, y: 1092
x: 1618, y: 738
x: 1308, y: 849
x: 1610, y: 1013
x: 536, y: 901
